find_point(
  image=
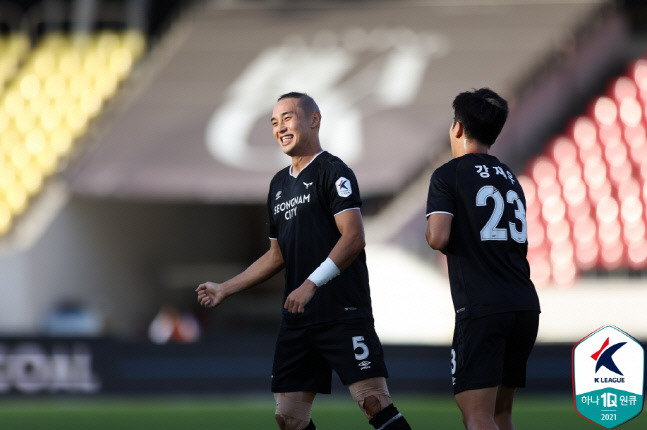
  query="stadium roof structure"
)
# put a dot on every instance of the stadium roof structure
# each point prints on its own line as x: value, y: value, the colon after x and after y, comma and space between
x: 194, y: 123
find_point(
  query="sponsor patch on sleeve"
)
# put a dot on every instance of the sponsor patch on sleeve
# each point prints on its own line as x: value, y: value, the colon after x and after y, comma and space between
x: 343, y: 187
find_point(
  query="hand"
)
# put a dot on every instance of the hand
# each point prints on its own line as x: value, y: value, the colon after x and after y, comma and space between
x: 299, y: 298
x: 210, y: 294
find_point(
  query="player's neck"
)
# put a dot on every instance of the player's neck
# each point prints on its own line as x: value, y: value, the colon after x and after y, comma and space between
x: 300, y: 162
x: 470, y: 146
x: 478, y: 148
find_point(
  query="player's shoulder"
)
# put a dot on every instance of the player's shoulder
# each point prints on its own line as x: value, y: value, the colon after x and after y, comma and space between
x: 328, y: 159
x: 332, y: 167
x: 447, y: 169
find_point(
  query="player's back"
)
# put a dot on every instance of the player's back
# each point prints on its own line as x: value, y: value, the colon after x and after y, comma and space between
x: 488, y: 268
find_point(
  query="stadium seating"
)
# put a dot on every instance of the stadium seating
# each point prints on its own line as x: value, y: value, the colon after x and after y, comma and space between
x: 587, y: 192
x: 49, y: 94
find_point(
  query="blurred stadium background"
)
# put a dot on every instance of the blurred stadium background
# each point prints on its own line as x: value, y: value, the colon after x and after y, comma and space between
x: 135, y: 156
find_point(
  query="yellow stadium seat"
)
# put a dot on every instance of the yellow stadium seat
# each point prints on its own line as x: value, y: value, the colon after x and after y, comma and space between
x: 13, y: 102
x: 16, y: 197
x: 105, y: 84
x: 55, y: 85
x: 135, y: 42
x: 46, y: 160
x: 5, y: 120
x: 70, y: 62
x: 120, y: 62
x: 43, y: 63
x: 39, y: 103
x: 48, y: 95
x: 50, y: 118
x: 31, y: 178
x: 5, y: 217
x: 106, y: 41
x: 91, y: 102
x: 61, y: 140
x: 76, y: 120
x: 35, y: 141
x: 24, y: 120
x: 19, y: 157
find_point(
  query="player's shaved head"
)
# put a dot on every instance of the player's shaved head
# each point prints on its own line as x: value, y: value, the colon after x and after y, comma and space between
x: 306, y: 102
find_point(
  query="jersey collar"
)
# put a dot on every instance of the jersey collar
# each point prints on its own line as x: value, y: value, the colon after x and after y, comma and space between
x: 306, y: 166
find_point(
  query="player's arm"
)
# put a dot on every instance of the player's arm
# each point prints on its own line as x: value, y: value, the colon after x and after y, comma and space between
x: 347, y: 248
x: 211, y: 294
x: 439, y: 228
x: 352, y: 241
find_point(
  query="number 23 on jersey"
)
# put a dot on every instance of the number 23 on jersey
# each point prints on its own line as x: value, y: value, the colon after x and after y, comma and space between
x: 490, y: 230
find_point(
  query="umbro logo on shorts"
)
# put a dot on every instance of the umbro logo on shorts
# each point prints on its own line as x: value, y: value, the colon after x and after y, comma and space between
x: 364, y: 365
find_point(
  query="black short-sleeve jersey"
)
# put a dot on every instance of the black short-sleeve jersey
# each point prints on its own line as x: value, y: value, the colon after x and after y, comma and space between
x: 302, y: 213
x: 486, y: 254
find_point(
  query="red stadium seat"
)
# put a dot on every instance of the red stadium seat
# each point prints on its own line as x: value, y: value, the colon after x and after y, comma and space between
x: 623, y: 87
x: 631, y: 112
x: 638, y: 72
x: 637, y: 254
x: 605, y: 111
x: 590, y: 185
x: 612, y: 255
x: 584, y: 134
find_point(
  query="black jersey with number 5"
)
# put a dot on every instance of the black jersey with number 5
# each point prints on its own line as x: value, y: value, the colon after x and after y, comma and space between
x: 302, y: 213
x: 486, y: 254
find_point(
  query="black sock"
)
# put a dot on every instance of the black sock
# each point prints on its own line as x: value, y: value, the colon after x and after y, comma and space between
x: 389, y: 419
x: 311, y: 426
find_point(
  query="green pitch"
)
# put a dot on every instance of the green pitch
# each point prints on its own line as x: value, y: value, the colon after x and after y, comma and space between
x: 336, y: 412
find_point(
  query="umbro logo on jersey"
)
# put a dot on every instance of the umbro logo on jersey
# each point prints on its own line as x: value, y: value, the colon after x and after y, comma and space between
x: 307, y: 184
x: 343, y: 187
x: 278, y: 195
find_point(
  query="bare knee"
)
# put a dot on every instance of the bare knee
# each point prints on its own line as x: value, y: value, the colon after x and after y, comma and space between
x: 477, y: 408
x: 280, y: 421
x: 372, y: 406
x: 372, y: 395
x: 293, y: 410
x: 503, y: 418
x: 503, y: 410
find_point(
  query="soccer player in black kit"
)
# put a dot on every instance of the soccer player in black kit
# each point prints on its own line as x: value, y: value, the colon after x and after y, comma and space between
x: 476, y: 216
x: 317, y: 235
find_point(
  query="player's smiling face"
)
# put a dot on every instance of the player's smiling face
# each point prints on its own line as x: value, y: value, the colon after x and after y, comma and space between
x: 290, y: 126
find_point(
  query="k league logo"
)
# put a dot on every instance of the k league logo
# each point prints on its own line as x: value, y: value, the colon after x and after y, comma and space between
x: 343, y: 187
x: 608, y: 377
x: 604, y: 357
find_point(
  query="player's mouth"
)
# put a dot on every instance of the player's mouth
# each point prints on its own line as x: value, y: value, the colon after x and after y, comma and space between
x: 287, y: 139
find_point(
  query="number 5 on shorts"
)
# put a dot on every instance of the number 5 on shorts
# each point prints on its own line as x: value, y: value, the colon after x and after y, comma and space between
x: 358, y: 343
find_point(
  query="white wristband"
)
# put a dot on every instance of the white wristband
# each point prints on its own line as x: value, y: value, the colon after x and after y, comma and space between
x: 324, y: 273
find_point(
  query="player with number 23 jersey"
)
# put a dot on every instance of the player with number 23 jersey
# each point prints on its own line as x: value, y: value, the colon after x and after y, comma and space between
x: 486, y: 254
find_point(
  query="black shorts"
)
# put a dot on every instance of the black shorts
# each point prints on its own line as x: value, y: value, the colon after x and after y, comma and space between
x: 306, y: 356
x: 493, y: 350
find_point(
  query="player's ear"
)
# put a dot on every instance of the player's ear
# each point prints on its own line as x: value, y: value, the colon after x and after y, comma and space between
x: 316, y: 119
x: 457, y: 130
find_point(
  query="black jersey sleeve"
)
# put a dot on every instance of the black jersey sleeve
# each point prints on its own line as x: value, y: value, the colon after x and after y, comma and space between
x: 440, y: 197
x: 342, y: 187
